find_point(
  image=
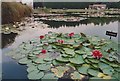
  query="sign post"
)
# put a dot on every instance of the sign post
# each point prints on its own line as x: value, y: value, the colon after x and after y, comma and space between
x: 110, y: 33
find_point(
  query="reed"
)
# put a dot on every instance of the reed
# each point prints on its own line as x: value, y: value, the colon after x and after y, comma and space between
x: 14, y: 11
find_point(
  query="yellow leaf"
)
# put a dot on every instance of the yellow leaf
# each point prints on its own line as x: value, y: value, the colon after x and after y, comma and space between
x: 101, y: 75
x: 59, y: 71
x: 107, y: 77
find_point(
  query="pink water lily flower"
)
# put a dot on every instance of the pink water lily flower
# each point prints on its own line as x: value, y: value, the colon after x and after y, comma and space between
x: 60, y: 41
x: 71, y: 34
x: 96, y: 54
x: 43, y: 51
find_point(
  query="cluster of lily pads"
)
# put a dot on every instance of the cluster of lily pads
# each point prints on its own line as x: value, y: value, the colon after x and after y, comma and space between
x: 68, y: 56
x: 7, y: 29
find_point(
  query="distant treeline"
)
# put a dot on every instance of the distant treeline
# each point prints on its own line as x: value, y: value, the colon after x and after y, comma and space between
x: 74, y: 5
x: 14, y: 11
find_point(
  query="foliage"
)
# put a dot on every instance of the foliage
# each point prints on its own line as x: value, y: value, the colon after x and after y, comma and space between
x: 73, y: 57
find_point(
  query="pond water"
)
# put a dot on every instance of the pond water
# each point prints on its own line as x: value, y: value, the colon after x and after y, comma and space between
x: 94, y: 27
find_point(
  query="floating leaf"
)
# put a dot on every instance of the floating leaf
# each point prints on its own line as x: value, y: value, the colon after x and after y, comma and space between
x: 31, y: 68
x: 77, y: 59
x: 24, y: 61
x: 62, y: 59
x: 48, y: 59
x: 93, y: 72
x: 94, y: 60
x: 77, y: 76
x: 69, y: 51
x: 59, y: 71
x: 80, y: 52
x: 49, y: 76
x: 55, y: 62
x: 107, y: 77
x: 107, y: 69
x: 83, y: 69
x: 39, y: 60
x: 44, y: 67
x: 35, y: 75
x: 101, y: 75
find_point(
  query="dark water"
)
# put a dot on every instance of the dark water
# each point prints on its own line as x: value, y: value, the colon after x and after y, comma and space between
x: 8, y: 39
x: 12, y: 70
x: 95, y: 21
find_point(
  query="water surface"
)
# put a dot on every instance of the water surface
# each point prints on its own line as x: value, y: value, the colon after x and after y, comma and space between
x: 12, y: 70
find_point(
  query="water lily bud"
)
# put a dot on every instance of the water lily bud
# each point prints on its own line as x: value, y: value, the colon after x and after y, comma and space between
x: 42, y: 36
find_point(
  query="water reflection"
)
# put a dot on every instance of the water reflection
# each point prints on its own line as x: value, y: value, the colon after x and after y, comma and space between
x: 86, y: 26
x: 8, y: 39
x: 95, y: 21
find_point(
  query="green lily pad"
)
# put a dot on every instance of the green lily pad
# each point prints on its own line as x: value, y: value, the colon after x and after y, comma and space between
x: 94, y: 60
x: 76, y: 76
x: 80, y: 52
x: 24, y: 61
x: 50, y: 77
x: 107, y: 69
x: 69, y: 51
x: 39, y: 60
x: 84, y: 68
x: 93, y: 72
x: 62, y: 59
x: 31, y: 68
x: 55, y: 62
x: 35, y: 75
x: 77, y: 60
x: 95, y: 65
x: 44, y: 67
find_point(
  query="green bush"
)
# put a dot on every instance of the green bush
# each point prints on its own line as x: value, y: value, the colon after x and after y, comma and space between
x: 14, y: 11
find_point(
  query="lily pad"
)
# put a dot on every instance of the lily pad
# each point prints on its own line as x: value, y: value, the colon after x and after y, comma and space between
x: 62, y: 59
x: 59, y: 71
x: 78, y: 59
x: 84, y: 68
x: 69, y: 51
x: 35, y: 75
x: 44, y: 67
x: 31, y: 68
x: 39, y: 60
x: 77, y: 76
x: 24, y: 61
x: 49, y: 76
x: 93, y: 72
x: 107, y: 69
x: 55, y: 62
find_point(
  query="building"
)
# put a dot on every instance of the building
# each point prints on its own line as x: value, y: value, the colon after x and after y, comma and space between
x: 98, y: 6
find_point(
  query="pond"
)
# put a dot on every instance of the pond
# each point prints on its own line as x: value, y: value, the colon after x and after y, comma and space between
x: 93, y: 27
